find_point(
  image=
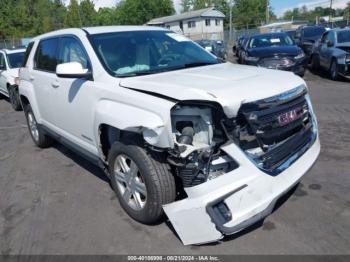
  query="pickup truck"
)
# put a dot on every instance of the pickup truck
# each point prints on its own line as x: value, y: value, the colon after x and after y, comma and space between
x: 212, y: 145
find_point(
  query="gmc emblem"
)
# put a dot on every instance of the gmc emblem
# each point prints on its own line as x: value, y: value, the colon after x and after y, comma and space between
x: 290, y: 116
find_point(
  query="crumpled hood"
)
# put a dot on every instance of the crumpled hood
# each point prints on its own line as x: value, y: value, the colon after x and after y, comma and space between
x: 228, y: 84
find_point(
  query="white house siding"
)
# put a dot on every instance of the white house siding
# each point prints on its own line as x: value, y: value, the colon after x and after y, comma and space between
x: 201, y: 30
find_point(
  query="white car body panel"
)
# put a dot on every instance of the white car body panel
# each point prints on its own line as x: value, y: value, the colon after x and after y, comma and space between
x: 7, y: 77
x: 228, y: 84
x: 144, y: 104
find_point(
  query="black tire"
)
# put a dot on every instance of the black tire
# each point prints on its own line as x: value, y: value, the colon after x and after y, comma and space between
x: 315, y: 63
x: 14, y: 97
x: 39, y: 137
x: 156, y: 177
x: 333, y: 70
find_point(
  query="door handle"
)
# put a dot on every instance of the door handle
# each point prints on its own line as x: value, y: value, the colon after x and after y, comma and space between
x: 31, y: 78
x: 55, y: 85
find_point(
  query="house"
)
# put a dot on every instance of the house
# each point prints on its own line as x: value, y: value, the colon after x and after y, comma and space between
x: 200, y: 24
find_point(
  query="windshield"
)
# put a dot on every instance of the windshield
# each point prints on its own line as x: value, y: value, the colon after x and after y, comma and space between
x: 313, y: 32
x: 146, y: 52
x: 343, y: 36
x: 270, y: 40
x: 15, y: 60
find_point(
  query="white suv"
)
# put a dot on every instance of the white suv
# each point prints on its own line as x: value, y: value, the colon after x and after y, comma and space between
x: 214, y: 145
x: 10, y: 61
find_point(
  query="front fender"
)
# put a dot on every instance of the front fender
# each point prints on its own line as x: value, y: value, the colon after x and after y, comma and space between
x: 155, y: 127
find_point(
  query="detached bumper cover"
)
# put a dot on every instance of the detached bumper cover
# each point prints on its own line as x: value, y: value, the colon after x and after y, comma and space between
x: 248, y: 193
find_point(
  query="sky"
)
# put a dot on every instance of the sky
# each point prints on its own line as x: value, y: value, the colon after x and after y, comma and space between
x: 278, y: 6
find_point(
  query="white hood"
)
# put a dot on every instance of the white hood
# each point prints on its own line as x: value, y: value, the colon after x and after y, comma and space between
x: 228, y: 84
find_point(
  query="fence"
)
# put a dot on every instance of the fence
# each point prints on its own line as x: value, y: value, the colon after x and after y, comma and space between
x: 12, y: 43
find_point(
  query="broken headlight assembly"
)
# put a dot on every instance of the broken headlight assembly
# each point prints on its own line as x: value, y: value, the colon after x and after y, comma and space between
x: 197, y: 135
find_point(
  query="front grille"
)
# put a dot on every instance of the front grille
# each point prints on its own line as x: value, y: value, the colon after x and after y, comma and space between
x: 276, y: 62
x: 280, y: 128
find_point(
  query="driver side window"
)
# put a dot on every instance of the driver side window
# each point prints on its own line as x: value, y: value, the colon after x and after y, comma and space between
x: 72, y: 51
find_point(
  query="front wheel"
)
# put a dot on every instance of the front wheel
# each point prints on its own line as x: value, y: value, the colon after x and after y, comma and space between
x: 141, y: 181
x: 37, y: 134
x: 334, y: 70
x: 14, y: 98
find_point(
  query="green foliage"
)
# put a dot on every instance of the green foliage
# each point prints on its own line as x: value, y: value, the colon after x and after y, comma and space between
x: 27, y: 18
x: 310, y: 15
x: 138, y: 12
x: 250, y: 13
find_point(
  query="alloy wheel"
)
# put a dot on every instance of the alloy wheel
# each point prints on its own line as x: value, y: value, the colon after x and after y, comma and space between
x: 130, y: 182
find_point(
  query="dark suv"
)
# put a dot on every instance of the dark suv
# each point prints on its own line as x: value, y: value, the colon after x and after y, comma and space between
x: 306, y: 36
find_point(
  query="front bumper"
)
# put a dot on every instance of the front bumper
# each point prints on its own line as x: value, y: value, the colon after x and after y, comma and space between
x: 297, y: 68
x: 249, y: 193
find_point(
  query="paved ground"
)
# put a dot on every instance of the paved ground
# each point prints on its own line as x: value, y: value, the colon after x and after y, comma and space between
x: 54, y: 202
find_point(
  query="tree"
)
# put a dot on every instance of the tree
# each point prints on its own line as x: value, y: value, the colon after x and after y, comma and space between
x: 250, y: 13
x: 89, y: 14
x: 186, y: 5
x: 73, y: 18
x: 138, y: 12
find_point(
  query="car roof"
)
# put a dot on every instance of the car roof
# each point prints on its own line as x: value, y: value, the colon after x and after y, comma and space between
x: 340, y: 29
x: 13, y: 50
x: 99, y: 30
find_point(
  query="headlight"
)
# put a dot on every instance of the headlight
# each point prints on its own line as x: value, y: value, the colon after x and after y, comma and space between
x: 300, y: 56
x: 251, y: 59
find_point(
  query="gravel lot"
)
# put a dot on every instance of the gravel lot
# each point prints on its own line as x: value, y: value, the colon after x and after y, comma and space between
x: 54, y: 202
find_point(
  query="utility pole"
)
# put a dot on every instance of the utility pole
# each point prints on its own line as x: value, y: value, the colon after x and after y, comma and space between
x: 231, y: 7
x: 330, y: 13
x: 267, y: 11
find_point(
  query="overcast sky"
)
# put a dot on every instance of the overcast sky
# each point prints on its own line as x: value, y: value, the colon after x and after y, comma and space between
x: 279, y: 6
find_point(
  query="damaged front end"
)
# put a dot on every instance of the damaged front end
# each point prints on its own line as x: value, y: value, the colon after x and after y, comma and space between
x: 233, y: 170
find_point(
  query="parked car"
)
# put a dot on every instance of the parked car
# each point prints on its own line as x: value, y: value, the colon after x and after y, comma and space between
x: 10, y: 61
x: 291, y: 33
x: 214, y: 145
x: 242, y: 48
x: 307, y: 36
x: 216, y: 47
x: 237, y: 45
x: 274, y: 51
x: 332, y: 53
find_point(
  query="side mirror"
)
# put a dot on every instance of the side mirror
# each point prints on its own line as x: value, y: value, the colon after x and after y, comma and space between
x: 73, y: 70
x: 330, y: 44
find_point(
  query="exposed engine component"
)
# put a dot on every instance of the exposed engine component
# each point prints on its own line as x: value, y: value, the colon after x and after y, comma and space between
x: 196, y: 156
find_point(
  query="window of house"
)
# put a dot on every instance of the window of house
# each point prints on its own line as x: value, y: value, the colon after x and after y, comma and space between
x: 191, y: 24
x: 217, y: 22
x: 207, y: 22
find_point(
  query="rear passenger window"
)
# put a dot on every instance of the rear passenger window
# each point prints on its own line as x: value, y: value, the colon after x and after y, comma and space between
x: 46, y: 55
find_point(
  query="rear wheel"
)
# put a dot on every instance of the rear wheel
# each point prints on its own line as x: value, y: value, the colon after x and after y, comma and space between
x: 141, y: 181
x: 315, y: 62
x: 334, y: 70
x: 14, y: 97
x: 36, y: 132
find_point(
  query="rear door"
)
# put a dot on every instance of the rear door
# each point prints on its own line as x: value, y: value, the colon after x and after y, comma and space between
x: 44, y: 79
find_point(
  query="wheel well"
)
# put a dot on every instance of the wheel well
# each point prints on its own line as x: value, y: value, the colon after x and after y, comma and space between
x: 24, y: 101
x: 109, y: 134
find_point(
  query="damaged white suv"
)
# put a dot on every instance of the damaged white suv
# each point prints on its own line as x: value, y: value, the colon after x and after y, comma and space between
x: 213, y: 145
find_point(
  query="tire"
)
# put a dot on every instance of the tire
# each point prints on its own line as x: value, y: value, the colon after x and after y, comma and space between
x: 141, y: 180
x: 14, y: 97
x: 40, y: 139
x: 333, y: 70
x: 315, y: 63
